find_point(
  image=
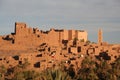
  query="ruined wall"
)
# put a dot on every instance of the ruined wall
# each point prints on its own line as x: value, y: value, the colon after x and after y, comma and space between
x: 25, y: 35
x: 21, y: 29
x: 52, y: 37
x: 82, y: 35
x: 65, y: 35
x: 71, y: 34
x: 33, y: 36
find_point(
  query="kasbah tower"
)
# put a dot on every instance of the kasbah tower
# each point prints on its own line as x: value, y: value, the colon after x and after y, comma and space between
x: 100, y: 37
x: 43, y: 49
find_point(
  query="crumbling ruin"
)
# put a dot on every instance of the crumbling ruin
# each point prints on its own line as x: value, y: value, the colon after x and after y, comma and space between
x: 43, y: 49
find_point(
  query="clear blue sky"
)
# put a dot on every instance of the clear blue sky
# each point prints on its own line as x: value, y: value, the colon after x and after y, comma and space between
x: 87, y: 15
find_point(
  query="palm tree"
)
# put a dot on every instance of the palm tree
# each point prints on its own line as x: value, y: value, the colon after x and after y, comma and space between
x: 55, y: 74
x: 3, y: 70
x: 75, y: 41
x: 116, y: 68
x: 19, y: 76
x: 104, y: 70
x: 87, y: 70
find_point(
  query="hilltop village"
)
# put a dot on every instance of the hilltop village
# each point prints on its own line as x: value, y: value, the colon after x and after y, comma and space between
x: 45, y: 49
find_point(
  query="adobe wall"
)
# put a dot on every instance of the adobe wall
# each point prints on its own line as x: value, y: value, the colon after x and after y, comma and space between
x: 82, y: 35
x: 65, y: 35
x: 52, y: 37
x: 25, y: 35
x: 21, y: 29
x: 71, y: 34
x: 28, y: 46
x: 33, y: 36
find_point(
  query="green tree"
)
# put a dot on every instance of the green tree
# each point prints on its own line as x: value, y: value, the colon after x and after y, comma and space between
x: 87, y: 70
x: 19, y: 76
x: 82, y: 40
x: 75, y: 41
x: 3, y: 70
x: 88, y: 42
x: 116, y: 68
x: 56, y: 74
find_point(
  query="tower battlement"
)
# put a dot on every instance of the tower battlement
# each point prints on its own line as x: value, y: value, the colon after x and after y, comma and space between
x: 19, y: 27
x: 25, y: 34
